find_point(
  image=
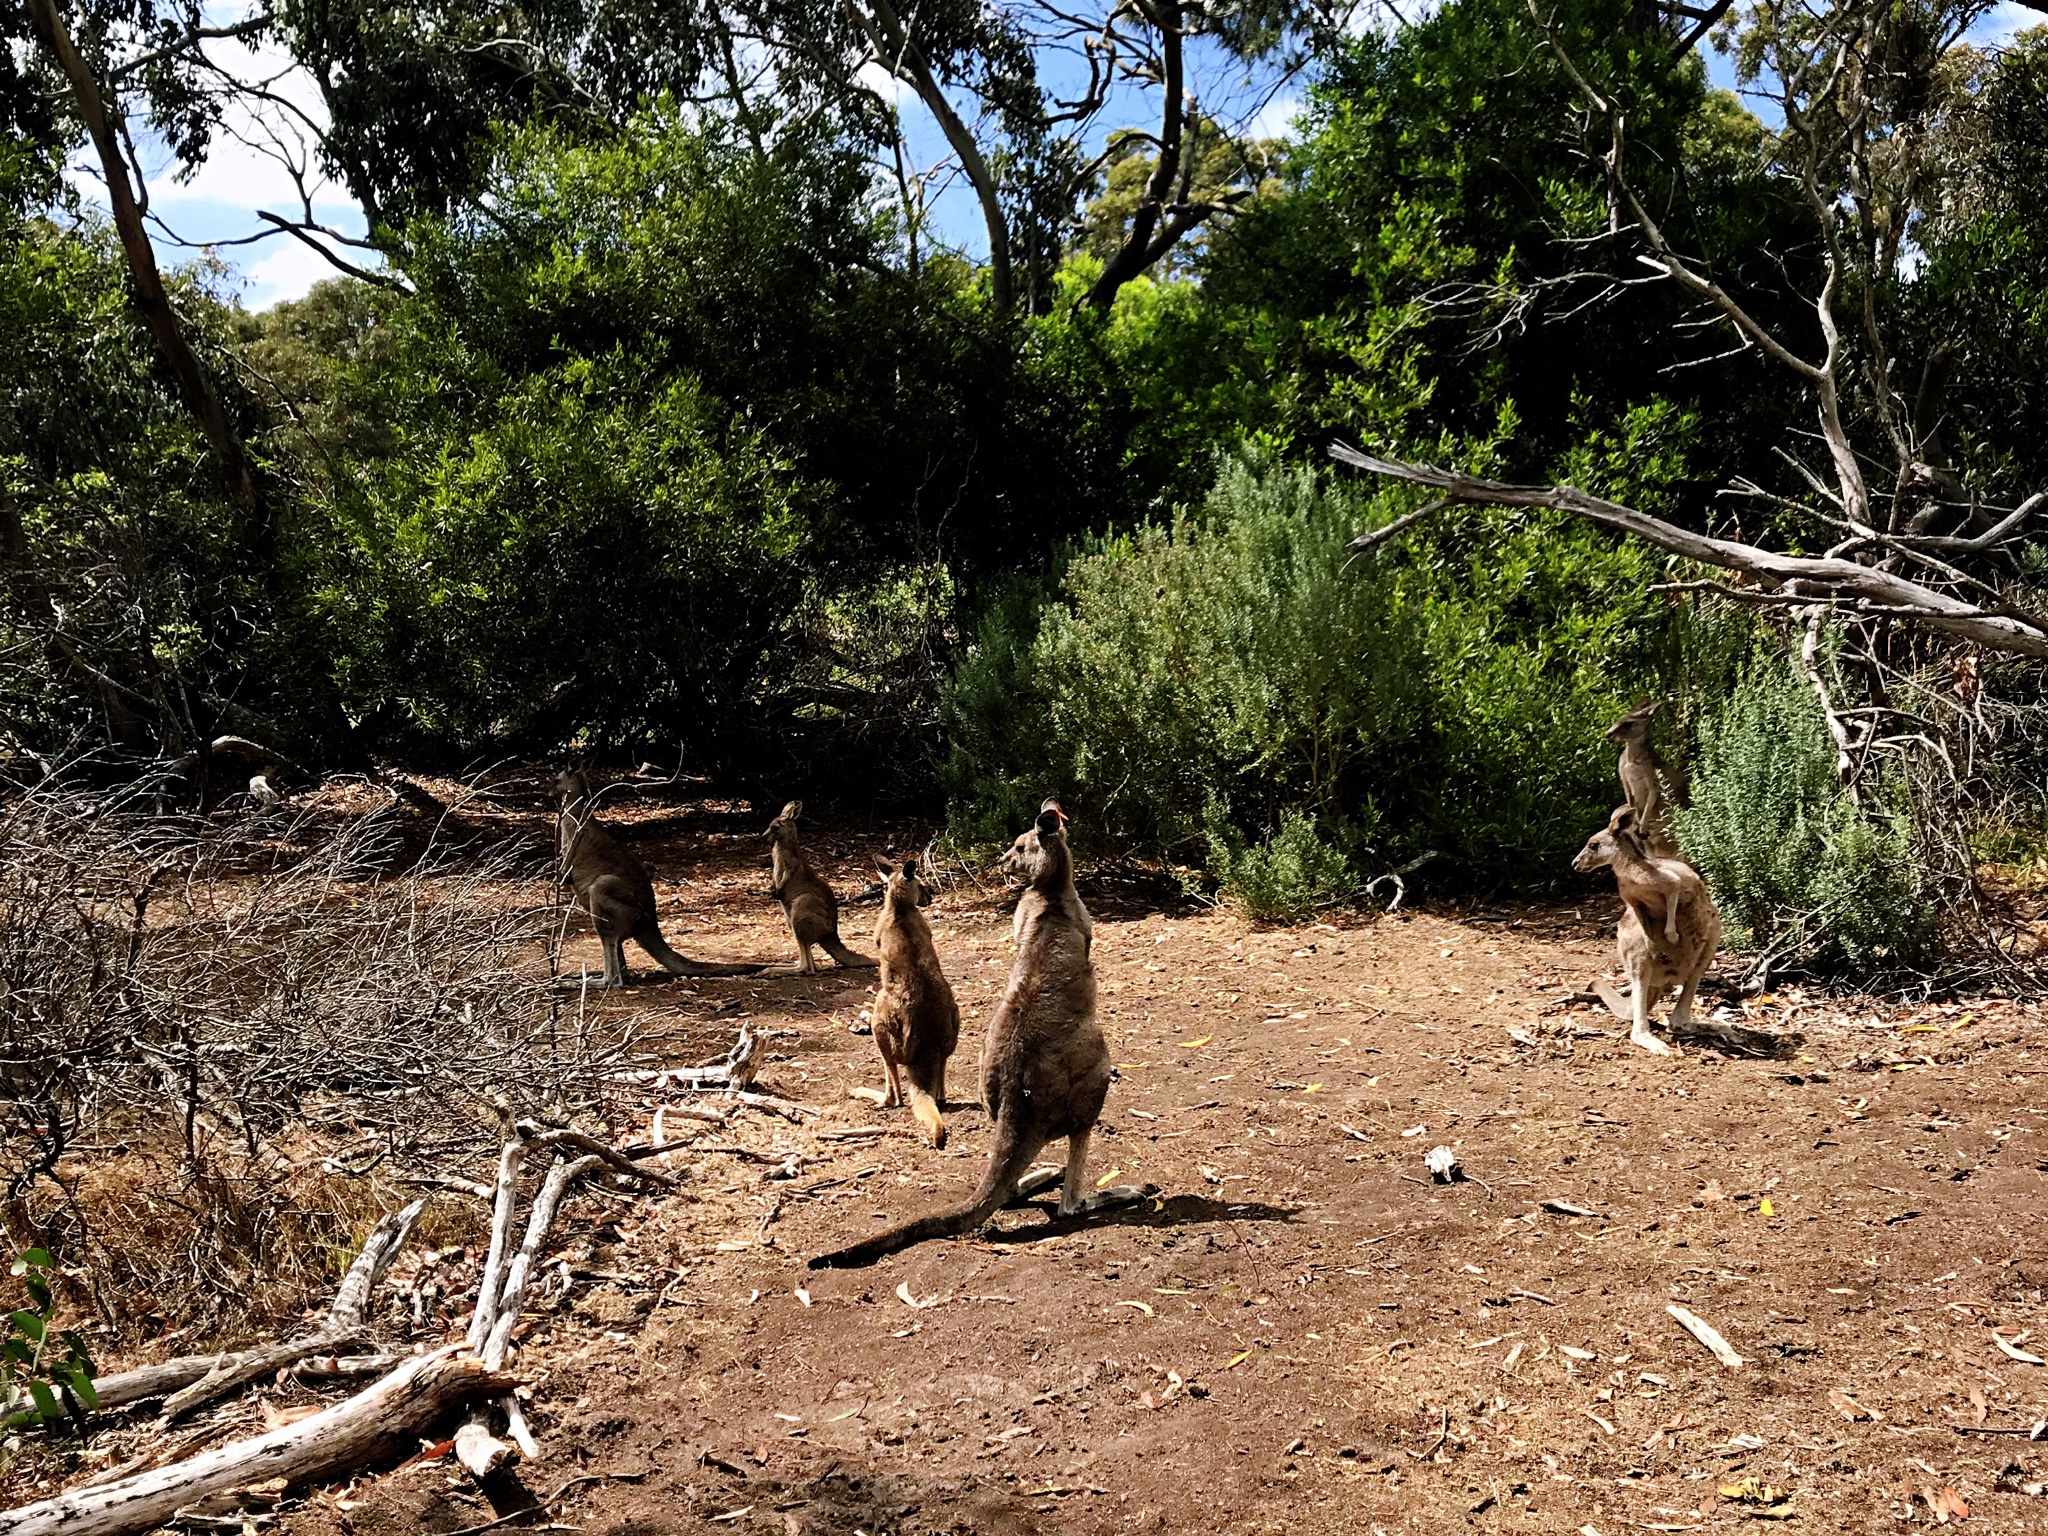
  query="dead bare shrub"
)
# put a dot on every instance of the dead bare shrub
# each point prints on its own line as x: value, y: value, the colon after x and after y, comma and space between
x: 226, y: 1045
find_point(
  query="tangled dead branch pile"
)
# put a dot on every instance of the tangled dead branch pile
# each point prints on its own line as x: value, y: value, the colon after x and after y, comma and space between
x: 214, y: 1042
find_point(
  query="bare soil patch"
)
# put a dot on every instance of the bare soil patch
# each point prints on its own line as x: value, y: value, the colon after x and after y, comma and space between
x: 1303, y: 1332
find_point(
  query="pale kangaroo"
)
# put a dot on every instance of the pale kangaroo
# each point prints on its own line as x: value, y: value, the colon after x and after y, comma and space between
x: 616, y: 890
x: 1668, y: 931
x: 807, y: 901
x: 917, y: 1022
x: 1644, y: 775
x: 1044, y: 1066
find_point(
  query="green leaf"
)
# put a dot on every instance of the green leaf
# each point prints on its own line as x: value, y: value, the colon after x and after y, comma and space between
x: 45, y: 1399
x: 31, y: 1325
x: 82, y: 1387
x: 37, y: 1258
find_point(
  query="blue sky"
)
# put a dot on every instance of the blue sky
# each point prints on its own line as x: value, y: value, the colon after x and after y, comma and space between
x: 247, y: 170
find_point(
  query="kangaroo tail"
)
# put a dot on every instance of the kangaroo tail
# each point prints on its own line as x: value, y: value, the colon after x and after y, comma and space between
x: 838, y: 951
x: 1012, y: 1155
x: 926, y: 1109
x: 1616, y: 1003
x: 650, y: 939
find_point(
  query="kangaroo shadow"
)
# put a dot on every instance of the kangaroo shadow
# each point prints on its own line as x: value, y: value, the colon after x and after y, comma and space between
x: 1152, y: 1211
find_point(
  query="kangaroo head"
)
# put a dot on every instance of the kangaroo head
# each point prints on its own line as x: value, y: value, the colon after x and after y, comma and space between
x: 904, y: 885
x: 1635, y: 724
x: 1040, y: 857
x: 1621, y: 838
x: 783, y: 827
x: 571, y: 787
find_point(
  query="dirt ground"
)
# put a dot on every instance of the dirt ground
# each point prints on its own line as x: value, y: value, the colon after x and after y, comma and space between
x: 1302, y: 1331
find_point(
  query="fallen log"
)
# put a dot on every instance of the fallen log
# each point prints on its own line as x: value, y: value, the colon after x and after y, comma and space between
x: 221, y: 1373
x: 383, y: 1418
x: 343, y: 1324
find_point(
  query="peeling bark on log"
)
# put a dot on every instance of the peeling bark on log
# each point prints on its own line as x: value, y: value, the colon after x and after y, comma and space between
x: 382, y: 1418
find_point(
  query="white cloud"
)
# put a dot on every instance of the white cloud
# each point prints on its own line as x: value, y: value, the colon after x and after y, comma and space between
x: 250, y: 164
x: 2002, y: 23
x: 886, y: 85
x: 285, y: 271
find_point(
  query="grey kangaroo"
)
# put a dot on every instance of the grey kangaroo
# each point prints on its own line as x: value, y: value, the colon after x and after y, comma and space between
x: 807, y: 901
x: 616, y: 890
x: 1044, y: 1066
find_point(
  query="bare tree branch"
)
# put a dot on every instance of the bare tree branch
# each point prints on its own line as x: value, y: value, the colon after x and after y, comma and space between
x: 2006, y: 630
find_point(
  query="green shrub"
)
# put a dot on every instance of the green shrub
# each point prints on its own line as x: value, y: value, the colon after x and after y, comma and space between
x: 1448, y: 694
x: 1287, y: 877
x: 1799, y: 872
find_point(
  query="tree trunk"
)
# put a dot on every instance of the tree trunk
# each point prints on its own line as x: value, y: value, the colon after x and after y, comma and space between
x: 896, y: 52
x: 1145, y: 242
x: 148, y: 282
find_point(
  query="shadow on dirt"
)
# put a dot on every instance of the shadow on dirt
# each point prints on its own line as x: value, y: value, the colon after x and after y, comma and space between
x: 1154, y: 1211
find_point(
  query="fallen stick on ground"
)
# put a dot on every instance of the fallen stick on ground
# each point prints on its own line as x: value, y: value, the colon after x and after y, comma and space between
x: 343, y: 1323
x: 1707, y: 1334
x: 193, y: 1380
x: 379, y: 1419
x: 787, y: 1108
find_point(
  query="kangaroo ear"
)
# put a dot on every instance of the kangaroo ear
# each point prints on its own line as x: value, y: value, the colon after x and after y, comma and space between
x: 1049, y: 819
x: 791, y: 811
x: 1623, y: 819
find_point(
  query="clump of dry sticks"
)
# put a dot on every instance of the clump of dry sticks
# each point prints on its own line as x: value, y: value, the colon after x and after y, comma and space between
x: 223, y: 1043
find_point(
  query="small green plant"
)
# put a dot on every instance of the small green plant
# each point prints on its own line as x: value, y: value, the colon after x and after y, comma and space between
x: 44, y: 1376
x: 1287, y: 877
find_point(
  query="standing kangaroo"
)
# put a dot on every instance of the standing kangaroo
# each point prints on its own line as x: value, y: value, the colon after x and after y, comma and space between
x: 917, y: 1022
x: 1644, y: 775
x: 1668, y: 931
x: 807, y: 901
x: 616, y: 890
x: 1044, y: 1066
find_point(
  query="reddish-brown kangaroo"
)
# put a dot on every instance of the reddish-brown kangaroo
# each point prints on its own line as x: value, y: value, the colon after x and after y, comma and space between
x: 917, y: 1022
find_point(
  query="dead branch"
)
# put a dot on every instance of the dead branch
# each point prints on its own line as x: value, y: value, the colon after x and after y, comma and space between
x: 343, y: 1324
x: 1817, y: 577
x: 375, y: 1422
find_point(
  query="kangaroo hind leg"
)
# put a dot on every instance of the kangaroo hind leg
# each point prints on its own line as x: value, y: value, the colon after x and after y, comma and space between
x: 1073, y: 1202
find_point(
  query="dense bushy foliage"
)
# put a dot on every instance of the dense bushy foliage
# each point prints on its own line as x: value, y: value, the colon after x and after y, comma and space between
x: 666, y: 436
x: 1796, y: 867
x: 1228, y: 691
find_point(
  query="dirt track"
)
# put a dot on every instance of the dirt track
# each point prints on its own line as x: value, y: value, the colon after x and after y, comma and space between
x: 1303, y: 1333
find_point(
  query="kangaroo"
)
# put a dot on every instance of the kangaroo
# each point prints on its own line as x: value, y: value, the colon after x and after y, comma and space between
x: 616, y: 890
x: 1044, y: 1066
x: 1644, y: 775
x: 917, y: 1023
x: 1656, y: 893
x: 807, y: 901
